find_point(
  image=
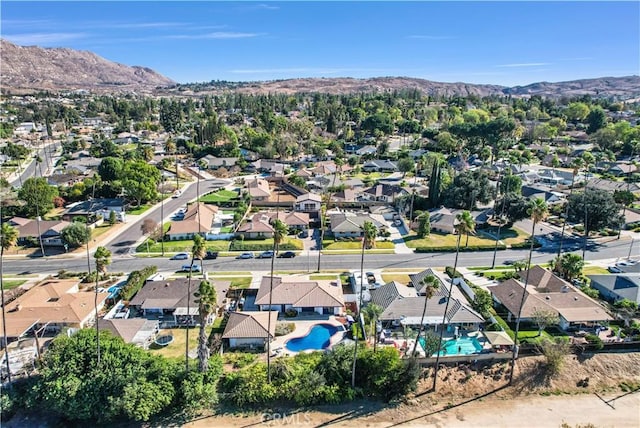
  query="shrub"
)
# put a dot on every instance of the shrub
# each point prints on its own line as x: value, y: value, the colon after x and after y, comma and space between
x: 449, y: 271
x: 594, y: 340
x: 283, y: 328
x: 135, y: 281
x: 527, y: 244
x: 290, y: 313
x: 462, y: 249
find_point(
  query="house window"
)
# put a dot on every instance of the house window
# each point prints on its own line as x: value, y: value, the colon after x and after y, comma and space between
x: 53, y: 299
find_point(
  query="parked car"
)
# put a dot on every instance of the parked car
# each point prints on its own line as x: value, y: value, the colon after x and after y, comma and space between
x: 180, y: 256
x: 265, y: 255
x: 210, y: 255
x: 287, y: 255
x: 176, y: 194
x: 190, y: 268
x: 614, y: 269
x: 245, y: 256
x: 626, y: 263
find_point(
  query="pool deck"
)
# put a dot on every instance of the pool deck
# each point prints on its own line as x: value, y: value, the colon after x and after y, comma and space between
x: 302, y: 329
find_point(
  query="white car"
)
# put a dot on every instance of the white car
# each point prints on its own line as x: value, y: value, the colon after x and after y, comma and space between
x: 626, y: 263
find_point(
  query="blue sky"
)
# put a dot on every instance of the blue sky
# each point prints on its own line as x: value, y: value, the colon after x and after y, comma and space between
x: 507, y: 43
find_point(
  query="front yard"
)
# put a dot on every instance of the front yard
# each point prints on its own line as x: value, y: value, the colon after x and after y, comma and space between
x: 482, y: 239
x: 182, y: 245
x: 221, y: 195
x: 330, y: 244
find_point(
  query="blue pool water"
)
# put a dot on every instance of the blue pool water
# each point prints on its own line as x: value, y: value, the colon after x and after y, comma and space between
x: 462, y: 346
x: 318, y: 337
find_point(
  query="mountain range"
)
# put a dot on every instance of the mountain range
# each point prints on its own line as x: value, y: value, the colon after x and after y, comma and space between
x: 29, y: 68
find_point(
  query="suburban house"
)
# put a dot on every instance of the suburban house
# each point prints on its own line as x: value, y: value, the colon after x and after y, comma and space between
x: 198, y: 219
x: 403, y: 305
x: 139, y: 331
x: 549, y: 293
x: 167, y: 301
x: 213, y: 162
x: 383, y: 193
x: 295, y: 221
x: 612, y: 186
x: 308, y: 203
x: 250, y: 329
x: 258, y: 189
x: 53, y: 304
x: 258, y: 226
x: 623, y: 168
x: 98, y: 206
x: 272, y: 167
x: 367, y: 150
x: 346, y: 196
x: 539, y: 192
x: 442, y: 220
x: 322, y: 297
x: 614, y: 287
x: 50, y: 231
x: 380, y: 165
x: 349, y: 224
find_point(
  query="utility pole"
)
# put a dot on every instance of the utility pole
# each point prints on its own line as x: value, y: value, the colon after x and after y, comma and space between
x: 162, y: 216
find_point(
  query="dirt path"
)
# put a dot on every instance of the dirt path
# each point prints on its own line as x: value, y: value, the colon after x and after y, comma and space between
x: 531, y: 411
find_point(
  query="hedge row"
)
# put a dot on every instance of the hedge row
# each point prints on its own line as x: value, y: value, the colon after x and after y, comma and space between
x: 462, y: 249
x: 241, y: 246
x: 502, y: 323
x: 527, y: 244
x: 136, y: 280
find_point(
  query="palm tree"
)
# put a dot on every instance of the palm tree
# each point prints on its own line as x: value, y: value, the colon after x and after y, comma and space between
x: 279, y: 232
x: 576, y: 167
x: 372, y: 312
x: 103, y: 259
x: 430, y: 284
x: 369, y: 233
x: 538, y: 211
x: 8, y: 238
x: 465, y: 225
x: 198, y: 251
x: 207, y: 302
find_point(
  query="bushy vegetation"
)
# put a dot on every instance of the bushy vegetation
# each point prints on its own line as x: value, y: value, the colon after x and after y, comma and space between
x: 135, y: 281
x: 462, y: 249
x: 128, y: 384
x: 323, y: 378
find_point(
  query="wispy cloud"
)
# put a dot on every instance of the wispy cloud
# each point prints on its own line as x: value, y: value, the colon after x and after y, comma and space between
x: 22, y: 23
x: 214, y: 35
x: 43, y: 38
x: 428, y: 37
x: 524, y: 64
x: 142, y: 25
x: 259, y: 6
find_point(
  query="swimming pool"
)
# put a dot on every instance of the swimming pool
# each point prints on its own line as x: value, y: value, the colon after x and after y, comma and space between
x: 319, y: 337
x: 462, y: 346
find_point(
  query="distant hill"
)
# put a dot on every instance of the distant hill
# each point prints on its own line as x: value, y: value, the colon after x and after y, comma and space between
x: 32, y: 67
x: 618, y: 87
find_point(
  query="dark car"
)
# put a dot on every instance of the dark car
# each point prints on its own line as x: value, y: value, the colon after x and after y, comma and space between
x: 211, y: 255
x: 287, y: 255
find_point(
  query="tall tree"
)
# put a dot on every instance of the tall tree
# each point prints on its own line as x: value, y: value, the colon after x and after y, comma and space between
x: 198, y: 251
x: 147, y: 227
x: 596, y: 208
x: 369, y: 233
x: 103, y: 260
x: 207, y: 303
x: 431, y: 284
x: 568, y: 265
x: 465, y: 223
x: 38, y: 196
x: 279, y: 233
x: 8, y: 238
x: 576, y: 164
x: 538, y: 212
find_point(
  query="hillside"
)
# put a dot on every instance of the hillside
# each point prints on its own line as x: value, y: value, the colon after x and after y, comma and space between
x: 32, y: 67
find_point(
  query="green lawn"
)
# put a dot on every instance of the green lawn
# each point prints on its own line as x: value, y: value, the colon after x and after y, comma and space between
x: 139, y: 210
x: 594, y: 270
x: 236, y: 282
x: 436, y: 239
x: 184, y: 245
x: 508, y: 236
x: 402, y: 278
x: 219, y: 196
x: 176, y: 348
x: 323, y: 277
x: 100, y: 230
x: 330, y: 244
x: 8, y: 284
